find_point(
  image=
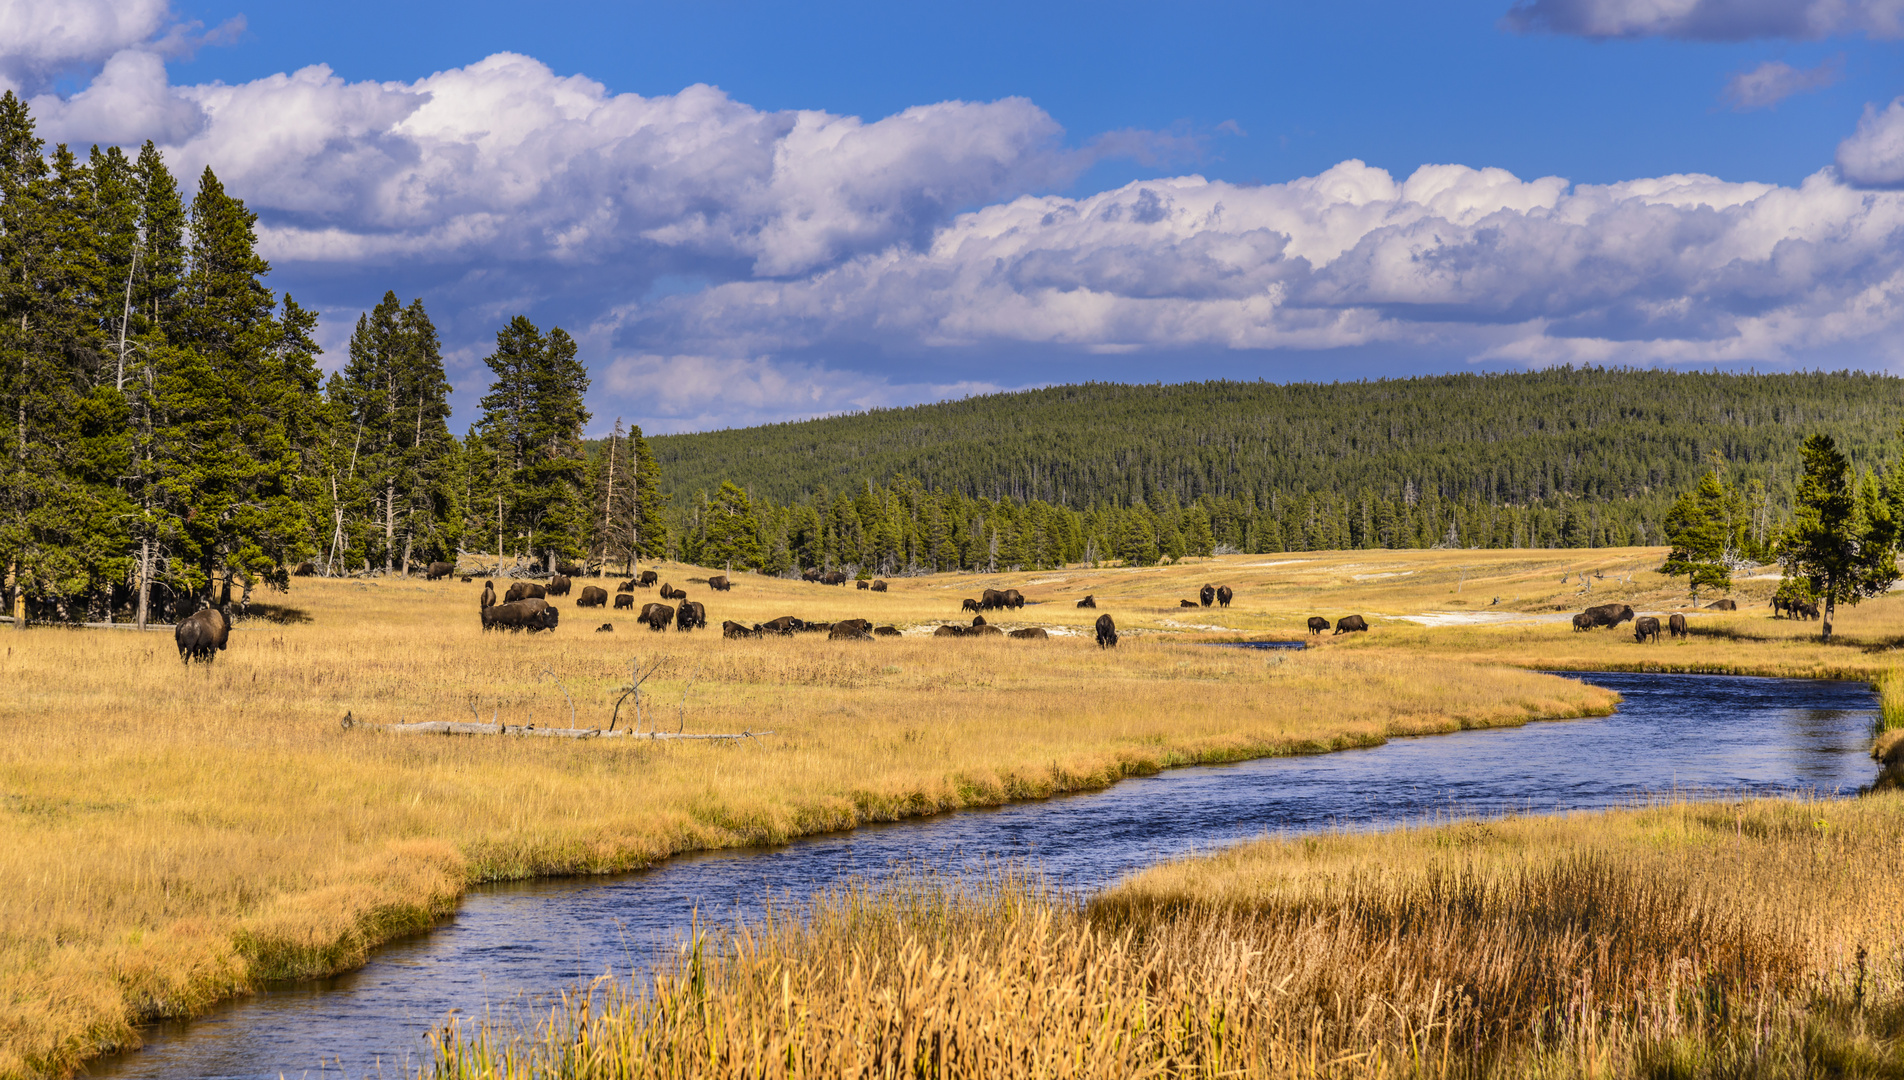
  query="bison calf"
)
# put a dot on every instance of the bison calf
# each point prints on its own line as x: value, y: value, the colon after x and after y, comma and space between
x: 1317, y: 624
x: 1582, y: 621
x: 1089, y: 601
x: 1029, y: 633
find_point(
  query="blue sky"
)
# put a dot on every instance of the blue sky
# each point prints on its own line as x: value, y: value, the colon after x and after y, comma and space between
x: 869, y: 204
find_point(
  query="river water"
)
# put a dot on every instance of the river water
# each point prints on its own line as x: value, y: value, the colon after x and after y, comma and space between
x: 512, y: 949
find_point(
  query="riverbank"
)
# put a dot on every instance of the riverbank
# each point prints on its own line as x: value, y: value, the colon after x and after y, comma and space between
x: 173, y: 836
x: 1686, y: 939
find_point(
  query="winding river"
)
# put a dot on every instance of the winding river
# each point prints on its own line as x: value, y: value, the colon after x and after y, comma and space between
x: 511, y: 949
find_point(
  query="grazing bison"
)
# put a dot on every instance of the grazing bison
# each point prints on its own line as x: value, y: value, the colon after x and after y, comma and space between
x: 1224, y: 595
x: 1610, y: 615
x: 524, y: 590
x: 732, y: 629
x: 558, y: 585
x: 1106, y: 632
x: 878, y: 585
x: 1804, y: 609
x: 623, y: 601
x: 811, y: 573
x: 1317, y: 624
x: 647, y: 579
x: 533, y: 614
x: 489, y: 595
x: 978, y: 620
x: 1582, y: 621
x: 785, y: 624
x: 1646, y: 627
x: 851, y: 630
x: 201, y: 635
x: 833, y: 577
x: 626, y: 586
x: 815, y: 627
x: 970, y: 605
x: 1677, y: 625
x: 605, y: 628
x: 1349, y: 624
x: 982, y: 630
x: 864, y: 584
x: 993, y: 599
x: 1186, y: 603
x: 669, y: 592
x: 719, y: 583
x: 467, y: 579
x: 656, y: 616
x: 1723, y: 605
x: 592, y: 596
x: 886, y: 631
x: 692, y: 616
x: 1089, y: 601
x: 1014, y: 599
x: 1207, y: 595
x: 1029, y: 633
x: 438, y: 570
x: 304, y: 569
x: 949, y: 630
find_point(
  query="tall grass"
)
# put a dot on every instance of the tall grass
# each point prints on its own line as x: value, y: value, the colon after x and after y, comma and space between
x: 1754, y: 939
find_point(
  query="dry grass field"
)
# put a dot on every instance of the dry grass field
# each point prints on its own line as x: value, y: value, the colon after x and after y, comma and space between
x: 1756, y: 939
x: 170, y: 836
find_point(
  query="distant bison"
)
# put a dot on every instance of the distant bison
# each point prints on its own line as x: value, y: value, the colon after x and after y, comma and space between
x: 304, y: 569
x: 878, y: 585
x: 438, y: 570
x: 624, y: 602
x: 489, y: 595
x: 864, y: 584
x: 605, y: 628
x: 1610, y: 615
x: 626, y: 586
x: 1805, y: 609
x: 811, y: 573
x: 949, y: 630
x: 970, y: 605
x: 1582, y: 621
x: 1207, y: 595
x: 202, y: 634
x: 1106, y: 632
x: 1224, y: 595
x: 1317, y: 624
x: 1089, y: 601
x: 851, y: 630
x: 1645, y: 627
x: 467, y: 579
x: 524, y: 590
x: 533, y: 615
x: 669, y: 592
x: 732, y: 629
x: 719, y: 583
x: 593, y: 596
x: 886, y: 631
x: 1349, y: 624
x: 1677, y: 625
x: 558, y: 586
x: 1014, y: 599
x: 647, y: 579
x: 656, y: 616
x: 833, y: 577
x: 1186, y: 603
x: 785, y: 624
x: 1030, y: 633
x: 692, y: 616
x: 983, y: 630
x: 1723, y: 605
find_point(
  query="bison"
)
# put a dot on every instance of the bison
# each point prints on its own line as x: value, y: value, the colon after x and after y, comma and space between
x: 978, y: 620
x: 991, y: 599
x: 886, y: 631
x: 533, y: 614
x: 624, y: 602
x: 811, y: 573
x: 1610, y: 615
x: 785, y: 624
x: 592, y: 596
x: 691, y: 617
x: 467, y: 579
x: 558, y: 586
x: 304, y: 569
x: 656, y: 616
x: 1186, y: 603
x: 1317, y: 624
x: 864, y: 584
x: 1723, y: 605
x: 732, y: 629
x: 1645, y: 627
x: 719, y: 583
x: 833, y: 577
x: 669, y: 592
x: 1106, y: 632
x: 1029, y: 633
x: 1207, y: 595
x: 647, y: 579
x: 878, y: 585
x: 626, y: 586
x: 436, y: 571
x: 605, y: 628
x: 1349, y: 624
x: 851, y: 630
x: 202, y: 634
x: 489, y: 595
x: 524, y: 590
x: 1224, y: 595
x: 982, y: 630
x: 1582, y: 621
x: 949, y: 630
x: 970, y: 605
x: 1014, y: 599
x: 1089, y: 601
x: 1805, y: 609
x: 1677, y: 626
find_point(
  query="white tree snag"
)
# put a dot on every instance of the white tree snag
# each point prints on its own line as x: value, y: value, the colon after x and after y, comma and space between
x: 453, y: 727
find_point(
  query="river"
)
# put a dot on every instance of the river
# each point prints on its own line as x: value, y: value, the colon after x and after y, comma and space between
x: 511, y: 949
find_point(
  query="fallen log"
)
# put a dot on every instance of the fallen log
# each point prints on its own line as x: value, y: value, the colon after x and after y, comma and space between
x: 457, y: 727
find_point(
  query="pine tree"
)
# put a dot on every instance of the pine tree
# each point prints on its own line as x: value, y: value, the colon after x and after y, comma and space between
x: 533, y: 419
x: 1842, y: 539
x: 731, y: 530
x: 1707, y: 530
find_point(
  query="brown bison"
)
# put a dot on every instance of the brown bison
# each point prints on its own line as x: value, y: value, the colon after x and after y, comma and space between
x: 605, y: 628
x: 785, y: 624
x: 1677, y: 626
x: 489, y: 595
x: 1582, y: 621
x: 949, y: 630
x: 1349, y: 624
x: 1029, y: 633
x: 719, y: 583
x: 669, y: 592
x: 1723, y: 605
x: 691, y: 617
x: 1804, y: 609
x: 732, y: 629
x: 851, y: 630
x: 886, y: 631
x: 524, y: 590
x: 592, y: 596
x: 624, y: 602
x: 978, y: 620
x: 467, y: 579
x: 970, y: 605
x: 1186, y: 603
x: 201, y: 635
x: 1610, y: 615
x: 626, y: 586
x: 304, y: 569
x: 1646, y: 627
x: 878, y: 585
x: 558, y: 586
x: 533, y: 615
x: 811, y: 573
x: 833, y: 577
x: 864, y: 584
x: 1089, y: 601
x: 656, y: 616
x: 647, y: 579
x: 1207, y: 595
x: 982, y: 630
x: 1317, y: 624
x: 1014, y: 599
x: 815, y: 627
x: 1106, y: 632
x: 436, y: 571
x: 1224, y: 595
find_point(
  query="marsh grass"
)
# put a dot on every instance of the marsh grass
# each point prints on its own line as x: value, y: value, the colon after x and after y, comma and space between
x: 1681, y: 940
x: 171, y: 836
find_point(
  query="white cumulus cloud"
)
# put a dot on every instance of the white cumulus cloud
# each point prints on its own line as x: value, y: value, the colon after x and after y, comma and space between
x: 1873, y: 155
x: 1709, y: 20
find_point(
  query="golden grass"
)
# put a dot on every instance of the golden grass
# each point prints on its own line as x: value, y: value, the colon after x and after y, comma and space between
x: 1683, y: 940
x: 170, y: 836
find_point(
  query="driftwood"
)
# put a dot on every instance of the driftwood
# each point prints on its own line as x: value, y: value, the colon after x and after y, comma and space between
x: 456, y: 727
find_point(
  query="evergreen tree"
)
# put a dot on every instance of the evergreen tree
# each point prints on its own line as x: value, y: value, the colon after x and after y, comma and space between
x: 1707, y: 530
x: 533, y: 417
x: 731, y: 530
x: 1842, y: 539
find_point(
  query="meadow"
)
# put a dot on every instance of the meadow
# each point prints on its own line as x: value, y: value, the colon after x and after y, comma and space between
x: 171, y: 836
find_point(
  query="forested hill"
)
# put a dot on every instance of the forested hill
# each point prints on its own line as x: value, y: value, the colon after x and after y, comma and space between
x: 1601, y: 435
